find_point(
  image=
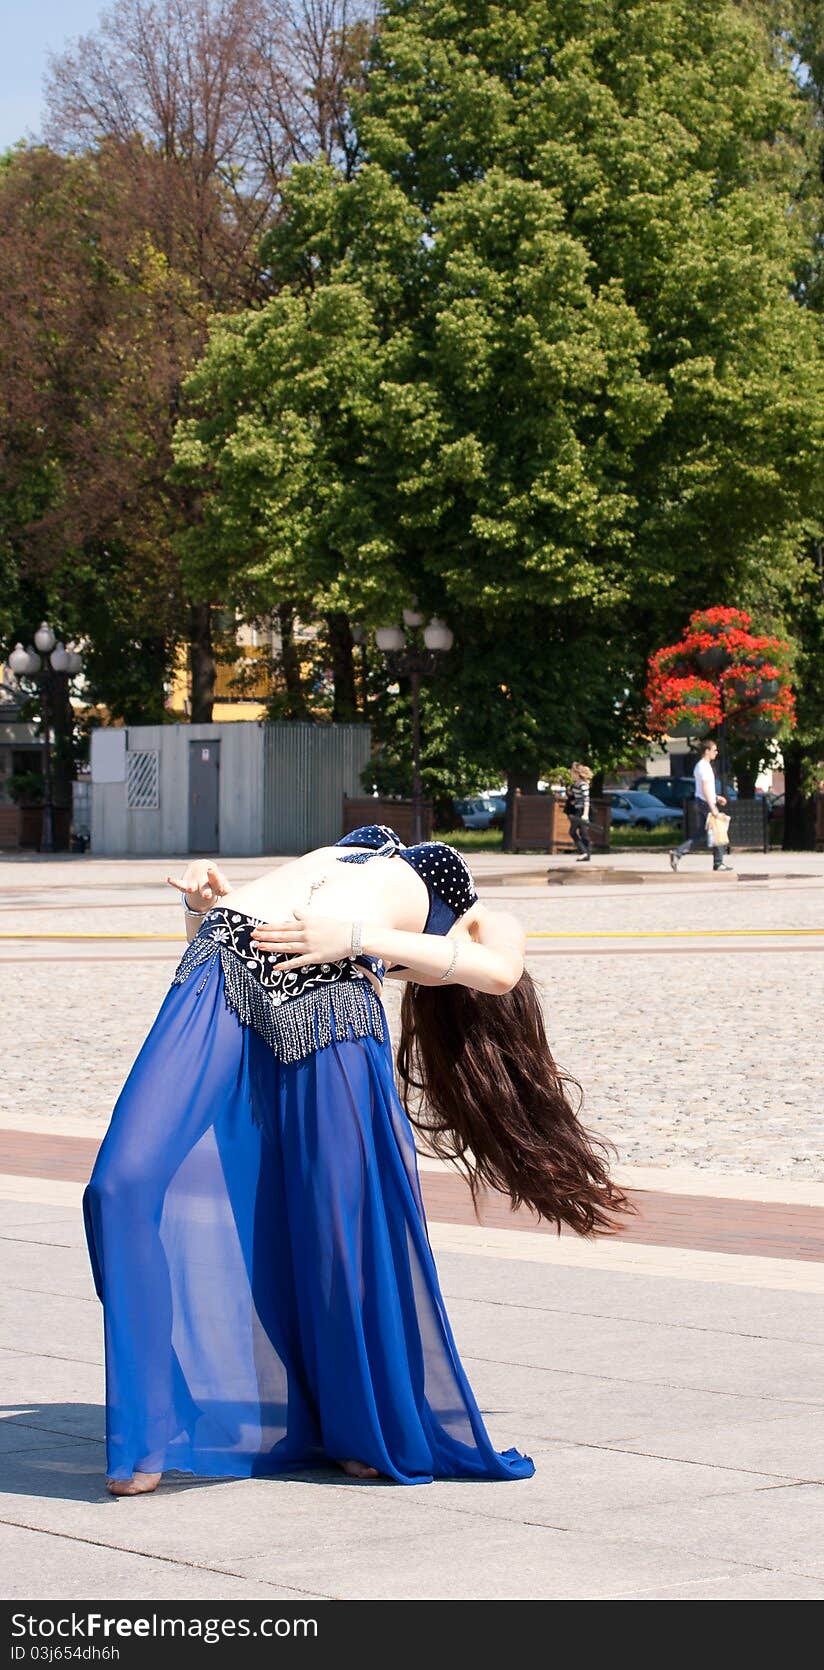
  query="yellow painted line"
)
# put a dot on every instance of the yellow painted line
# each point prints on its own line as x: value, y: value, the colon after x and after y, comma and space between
x: 589, y: 933
x: 175, y: 937
x: 685, y: 933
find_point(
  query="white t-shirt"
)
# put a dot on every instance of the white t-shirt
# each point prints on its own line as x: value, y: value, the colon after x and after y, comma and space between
x: 705, y: 781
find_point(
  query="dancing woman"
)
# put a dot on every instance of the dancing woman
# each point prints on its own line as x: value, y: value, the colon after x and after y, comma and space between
x: 254, y: 1218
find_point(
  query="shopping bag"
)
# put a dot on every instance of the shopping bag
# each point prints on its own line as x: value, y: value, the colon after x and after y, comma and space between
x: 717, y: 829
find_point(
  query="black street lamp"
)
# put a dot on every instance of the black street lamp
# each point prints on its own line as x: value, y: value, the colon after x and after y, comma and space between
x: 44, y: 666
x: 409, y: 657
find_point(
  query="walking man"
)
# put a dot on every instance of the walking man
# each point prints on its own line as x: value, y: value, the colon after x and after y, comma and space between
x: 707, y: 801
x: 576, y: 807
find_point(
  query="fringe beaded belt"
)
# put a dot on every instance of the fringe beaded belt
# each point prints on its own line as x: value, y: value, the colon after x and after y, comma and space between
x: 293, y: 1012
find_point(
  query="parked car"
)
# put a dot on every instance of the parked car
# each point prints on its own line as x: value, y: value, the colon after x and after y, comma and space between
x: 497, y: 801
x: 637, y: 810
x: 673, y: 791
x: 475, y: 813
x: 481, y: 811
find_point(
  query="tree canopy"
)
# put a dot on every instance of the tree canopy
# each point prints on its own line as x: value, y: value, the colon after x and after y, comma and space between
x: 538, y: 360
x: 170, y: 127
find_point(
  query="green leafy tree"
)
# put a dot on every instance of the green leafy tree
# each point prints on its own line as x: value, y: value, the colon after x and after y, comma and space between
x: 170, y: 128
x: 92, y: 343
x: 800, y: 25
x: 538, y: 361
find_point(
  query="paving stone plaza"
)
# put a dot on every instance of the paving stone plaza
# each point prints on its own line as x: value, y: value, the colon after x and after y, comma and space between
x: 668, y: 1383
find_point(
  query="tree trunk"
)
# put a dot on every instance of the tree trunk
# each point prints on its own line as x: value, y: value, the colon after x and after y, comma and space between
x: 799, y: 808
x: 527, y: 782
x: 345, y: 708
x: 201, y: 663
x: 290, y: 662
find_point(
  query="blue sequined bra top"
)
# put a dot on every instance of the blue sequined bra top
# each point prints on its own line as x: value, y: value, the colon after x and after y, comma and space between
x: 304, y: 1009
x: 446, y: 874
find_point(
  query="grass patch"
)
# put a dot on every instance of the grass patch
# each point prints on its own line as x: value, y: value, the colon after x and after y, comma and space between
x: 472, y: 840
x: 623, y: 840
x: 626, y: 839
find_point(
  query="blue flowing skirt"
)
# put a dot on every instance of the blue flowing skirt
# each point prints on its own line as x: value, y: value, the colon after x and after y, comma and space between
x: 258, y: 1240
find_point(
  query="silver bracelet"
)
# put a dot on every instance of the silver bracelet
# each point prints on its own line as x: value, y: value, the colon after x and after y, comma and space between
x: 357, y: 939
x: 452, y: 961
x: 188, y: 909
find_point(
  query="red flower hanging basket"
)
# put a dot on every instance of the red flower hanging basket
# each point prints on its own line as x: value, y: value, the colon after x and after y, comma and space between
x: 721, y: 673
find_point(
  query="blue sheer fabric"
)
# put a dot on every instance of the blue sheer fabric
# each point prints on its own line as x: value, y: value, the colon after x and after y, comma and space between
x: 257, y: 1237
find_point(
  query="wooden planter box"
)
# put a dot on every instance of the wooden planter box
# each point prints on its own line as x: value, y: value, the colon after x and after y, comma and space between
x: 9, y: 827
x: 397, y: 814
x: 540, y: 824
x: 22, y: 826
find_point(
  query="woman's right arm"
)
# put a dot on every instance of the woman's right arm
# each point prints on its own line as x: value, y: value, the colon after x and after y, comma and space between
x: 490, y: 955
x: 200, y: 886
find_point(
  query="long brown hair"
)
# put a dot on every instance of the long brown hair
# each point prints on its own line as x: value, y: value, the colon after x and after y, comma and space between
x: 479, y: 1081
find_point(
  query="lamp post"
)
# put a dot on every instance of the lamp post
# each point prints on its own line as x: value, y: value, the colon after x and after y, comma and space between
x: 43, y: 666
x: 415, y: 656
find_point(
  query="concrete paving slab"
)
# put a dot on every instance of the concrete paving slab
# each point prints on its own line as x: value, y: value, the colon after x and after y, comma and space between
x: 68, y: 1570
x: 484, y: 1560
x: 519, y: 1403
x: 607, y: 1480
x: 63, y: 1229
x: 590, y: 1296
x: 32, y: 1268
x: 28, y: 1213
x: 738, y: 1585
x: 641, y: 1351
x: 61, y: 1489
x: 781, y: 1527
x: 790, y: 1446
x: 15, y: 1436
x: 48, y: 1384
x: 23, y: 1325
x: 50, y: 1422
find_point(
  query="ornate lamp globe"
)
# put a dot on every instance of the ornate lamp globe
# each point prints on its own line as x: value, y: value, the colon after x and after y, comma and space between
x: 19, y: 661
x: 437, y: 635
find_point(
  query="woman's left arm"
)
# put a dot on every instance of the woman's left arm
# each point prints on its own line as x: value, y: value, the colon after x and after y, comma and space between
x: 492, y: 962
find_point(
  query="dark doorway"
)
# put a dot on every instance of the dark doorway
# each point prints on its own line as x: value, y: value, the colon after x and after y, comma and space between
x: 204, y: 797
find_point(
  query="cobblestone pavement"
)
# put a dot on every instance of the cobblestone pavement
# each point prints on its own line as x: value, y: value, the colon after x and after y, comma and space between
x: 669, y: 1392
x: 699, y: 1052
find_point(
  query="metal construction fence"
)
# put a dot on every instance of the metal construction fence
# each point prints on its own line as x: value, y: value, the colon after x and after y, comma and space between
x: 307, y: 770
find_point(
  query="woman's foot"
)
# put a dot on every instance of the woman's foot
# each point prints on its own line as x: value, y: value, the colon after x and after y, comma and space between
x: 358, y: 1470
x: 138, y: 1485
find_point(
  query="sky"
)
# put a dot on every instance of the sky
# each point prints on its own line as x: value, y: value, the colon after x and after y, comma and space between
x: 28, y: 30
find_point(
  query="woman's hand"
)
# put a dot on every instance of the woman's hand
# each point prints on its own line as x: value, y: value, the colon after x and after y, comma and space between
x: 307, y: 939
x: 202, y: 883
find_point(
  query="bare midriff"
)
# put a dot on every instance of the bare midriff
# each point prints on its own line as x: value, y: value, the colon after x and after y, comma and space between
x: 386, y: 891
